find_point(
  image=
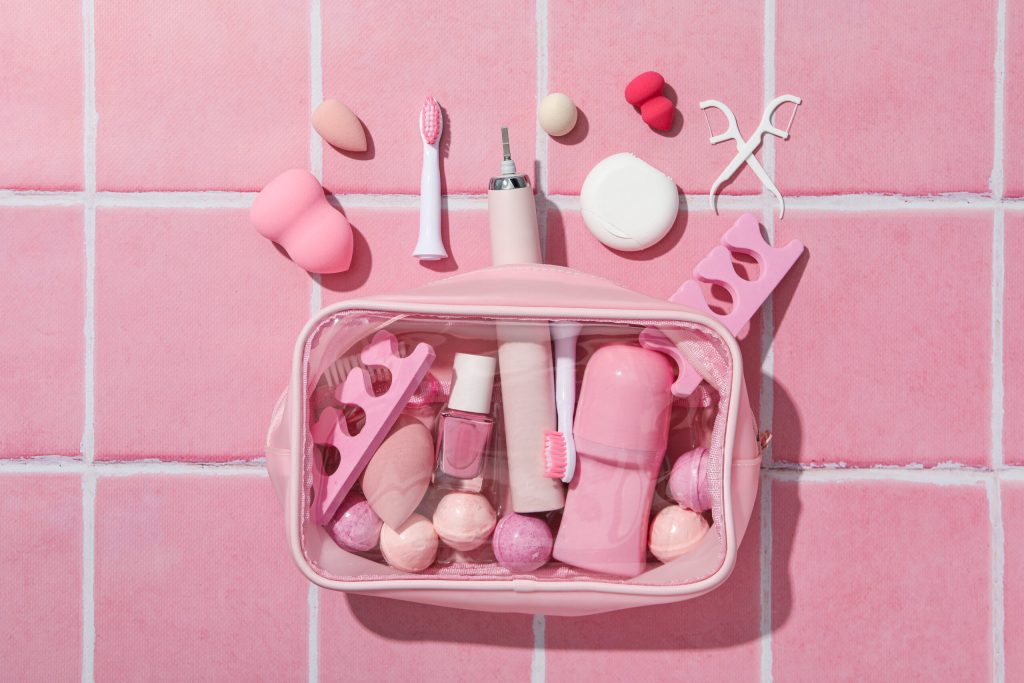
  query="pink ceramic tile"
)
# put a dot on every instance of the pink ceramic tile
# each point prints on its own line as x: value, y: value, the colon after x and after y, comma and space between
x: 478, y: 61
x: 1013, y: 105
x: 898, y: 96
x: 363, y: 637
x: 42, y: 272
x: 1013, y: 611
x: 880, y: 581
x: 1013, y: 340
x: 41, y: 110
x: 658, y: 271
x: 194, y: 581
x: 884, y: 347
x: 382, y: 262
x: 41, y: 565
x: 196, y: 318
x: 704, y: 52
x: 715, y: 637
x: 200, y: 96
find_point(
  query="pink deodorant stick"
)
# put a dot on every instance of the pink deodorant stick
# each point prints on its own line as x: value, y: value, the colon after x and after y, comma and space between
x: 621, y: 431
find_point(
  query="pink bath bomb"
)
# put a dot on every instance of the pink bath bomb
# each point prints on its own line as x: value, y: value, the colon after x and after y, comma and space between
x: 464, y: 520
x: 522, y: 543
x: 676, y: 531
x: 412, y: 547
x: 688, y: 481
x: 355, y: 526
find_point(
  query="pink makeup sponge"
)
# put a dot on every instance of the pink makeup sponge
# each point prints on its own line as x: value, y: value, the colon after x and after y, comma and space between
x: 675, y: 531
x: 522, y: 543
x: 688, y: 481
x: 411, y: 547
x: 398, y: 474
x: 464, y: 520
x: 339, y: 126
x: 293, y: 211
x: 355, y: 526
x: 646, y: 92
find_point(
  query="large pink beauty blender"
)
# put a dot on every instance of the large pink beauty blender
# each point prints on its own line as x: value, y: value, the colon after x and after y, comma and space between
x: 293, y: 211
x: 398, y: 474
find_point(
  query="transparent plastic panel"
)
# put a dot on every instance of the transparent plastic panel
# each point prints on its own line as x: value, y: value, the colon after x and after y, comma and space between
x: 499, y: 448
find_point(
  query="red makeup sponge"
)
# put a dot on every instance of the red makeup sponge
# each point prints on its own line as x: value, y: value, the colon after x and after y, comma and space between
x: 646, y: 91
x: 658, y: 112
x: 644, y: 87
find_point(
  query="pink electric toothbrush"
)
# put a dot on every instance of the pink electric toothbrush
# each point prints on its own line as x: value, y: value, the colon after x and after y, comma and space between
x: 429, y: 246
x: 524, y: 351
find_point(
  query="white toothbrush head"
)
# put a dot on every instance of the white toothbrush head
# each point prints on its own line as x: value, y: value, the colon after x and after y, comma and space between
x: 431, y: 121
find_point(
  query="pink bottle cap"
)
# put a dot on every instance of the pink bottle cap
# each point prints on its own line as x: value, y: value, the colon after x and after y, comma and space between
x: 625, y: 402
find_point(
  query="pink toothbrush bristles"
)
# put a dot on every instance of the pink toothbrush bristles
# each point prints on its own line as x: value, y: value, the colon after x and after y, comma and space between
x: 555, y: 455
x: 430, y: 120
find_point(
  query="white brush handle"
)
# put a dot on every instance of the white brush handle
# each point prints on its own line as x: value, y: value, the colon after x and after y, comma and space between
x: 565, y: 334
x: 429, y: 246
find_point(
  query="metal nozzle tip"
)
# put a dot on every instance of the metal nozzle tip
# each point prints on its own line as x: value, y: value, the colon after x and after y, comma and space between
x: 504, y: 143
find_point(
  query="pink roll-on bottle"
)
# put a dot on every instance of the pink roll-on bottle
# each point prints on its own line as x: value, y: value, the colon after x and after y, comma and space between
x: 621, y: 432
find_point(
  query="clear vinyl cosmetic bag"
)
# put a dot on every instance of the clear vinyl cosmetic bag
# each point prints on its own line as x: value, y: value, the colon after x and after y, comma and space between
x: 519, y: 438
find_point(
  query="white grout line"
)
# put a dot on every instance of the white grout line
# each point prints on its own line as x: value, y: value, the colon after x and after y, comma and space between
x: 538, y: 662
x: 996, y: 181
x: 313, y: 646
x: 998, y: 284
x: 998, y: 559
x: 935, y: 476
x: 766, y: 398
x: 90, y: 127
x: 88, y: 575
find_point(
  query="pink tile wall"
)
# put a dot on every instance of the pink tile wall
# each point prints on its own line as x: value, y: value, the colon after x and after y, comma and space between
x: 200, y: 96
x: 196, y: 317
x: 890, y: 324
x: 862, y: 128
x: 880, y: 581
x: 147, y: 323
x: 383, y: 66
x: 41, y: 111
x: 1013, y: 531
x: 402, y: 641
x: 186, y: 567
x: 592, y: 58
x: 41, y: 566
x: 42, y: 269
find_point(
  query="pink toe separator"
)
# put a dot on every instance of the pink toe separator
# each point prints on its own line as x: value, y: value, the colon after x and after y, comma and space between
x: 748, y: 296
x: 381, y: 414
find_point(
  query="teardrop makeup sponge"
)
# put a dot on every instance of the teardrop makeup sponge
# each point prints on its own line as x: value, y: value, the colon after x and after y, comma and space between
x: 293, y: 211
x: 399, y: 472
x: 339, y: 126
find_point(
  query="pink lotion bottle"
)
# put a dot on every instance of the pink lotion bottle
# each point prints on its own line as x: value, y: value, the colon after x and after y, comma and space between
x: 464, y: 427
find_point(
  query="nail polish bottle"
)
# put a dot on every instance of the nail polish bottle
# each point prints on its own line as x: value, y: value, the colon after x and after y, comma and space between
x: 464, y: 427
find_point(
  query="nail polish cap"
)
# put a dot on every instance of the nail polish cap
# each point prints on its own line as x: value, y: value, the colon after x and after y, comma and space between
x: 472, y: 383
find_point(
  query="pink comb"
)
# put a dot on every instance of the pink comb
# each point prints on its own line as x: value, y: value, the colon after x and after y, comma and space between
x: 743, y: 237
x: 430, y: 120
x: 381, y: 413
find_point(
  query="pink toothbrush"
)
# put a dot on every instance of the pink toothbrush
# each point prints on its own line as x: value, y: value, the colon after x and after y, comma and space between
x: 429, y: 246
x: 559, y: 446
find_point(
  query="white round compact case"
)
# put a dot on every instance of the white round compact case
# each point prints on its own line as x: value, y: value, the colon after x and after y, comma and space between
x: 628, y: 204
